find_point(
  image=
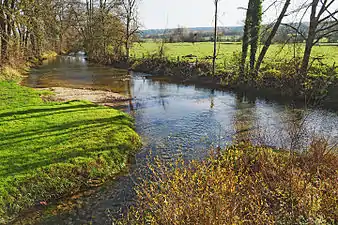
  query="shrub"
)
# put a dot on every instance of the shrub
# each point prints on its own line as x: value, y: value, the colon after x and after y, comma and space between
x: 9, y: 74
x: 48, y: 55
x: 245, y: 184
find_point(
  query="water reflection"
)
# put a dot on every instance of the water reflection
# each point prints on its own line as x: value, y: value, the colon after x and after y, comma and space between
x: 244, y: 118
x: 76, y: 72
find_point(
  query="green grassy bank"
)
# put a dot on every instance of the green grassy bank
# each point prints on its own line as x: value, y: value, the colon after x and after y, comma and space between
x: 279, y: 73
x: 49, y: 149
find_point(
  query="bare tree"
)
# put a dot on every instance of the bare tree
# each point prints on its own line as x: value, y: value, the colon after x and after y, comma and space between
x: 272, y: 34
x: 215, y: 38
x: 132, y: 26
x: 246, y: 38
x: 323, y: 22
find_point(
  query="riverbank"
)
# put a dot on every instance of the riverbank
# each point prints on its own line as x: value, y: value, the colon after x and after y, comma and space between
x: 105, y: 98
x: 244, y: 184
x: 51, y: 149
x: 276, y: 81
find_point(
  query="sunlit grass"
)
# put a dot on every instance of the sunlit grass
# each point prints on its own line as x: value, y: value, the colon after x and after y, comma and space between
x: 51, y: 149
x: 226, y: 50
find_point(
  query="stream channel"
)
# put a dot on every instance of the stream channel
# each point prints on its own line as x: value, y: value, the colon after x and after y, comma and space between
x: 175, y: 120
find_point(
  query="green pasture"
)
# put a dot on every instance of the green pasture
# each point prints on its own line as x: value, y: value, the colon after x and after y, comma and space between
x: 328, y: 54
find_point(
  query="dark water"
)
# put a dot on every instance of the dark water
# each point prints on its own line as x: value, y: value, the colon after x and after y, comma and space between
x: 174, y: 121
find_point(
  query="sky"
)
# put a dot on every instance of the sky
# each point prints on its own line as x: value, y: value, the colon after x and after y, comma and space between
x: 165, y: 14
x: 155, y: 14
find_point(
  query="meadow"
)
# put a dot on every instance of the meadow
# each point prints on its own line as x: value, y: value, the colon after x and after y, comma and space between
x: 226, y: 50
x: 51, y: 149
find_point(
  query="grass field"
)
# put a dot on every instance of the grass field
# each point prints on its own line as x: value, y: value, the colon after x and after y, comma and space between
x: 49, y: 149
x: 226, y: 50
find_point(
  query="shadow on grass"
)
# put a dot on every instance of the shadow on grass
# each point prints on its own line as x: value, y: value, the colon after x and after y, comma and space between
x: 45, y: 109
x: 42, y: 146
x: 72, y: 125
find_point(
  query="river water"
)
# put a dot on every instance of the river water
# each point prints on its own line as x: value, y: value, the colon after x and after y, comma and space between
x: 176, y: 120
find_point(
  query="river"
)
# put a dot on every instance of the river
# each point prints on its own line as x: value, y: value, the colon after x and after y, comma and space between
x: 176, y: 120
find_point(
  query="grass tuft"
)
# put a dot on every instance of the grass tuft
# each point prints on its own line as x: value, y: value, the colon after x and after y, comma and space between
x: 9, y: 74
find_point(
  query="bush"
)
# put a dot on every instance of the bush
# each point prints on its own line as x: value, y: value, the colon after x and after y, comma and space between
x: 245, y: 184
x: 283, y: 74
x: 48, y: 55
x: 9, y: 74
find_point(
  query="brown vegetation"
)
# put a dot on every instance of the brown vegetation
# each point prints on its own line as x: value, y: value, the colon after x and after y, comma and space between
x: 244, y: 184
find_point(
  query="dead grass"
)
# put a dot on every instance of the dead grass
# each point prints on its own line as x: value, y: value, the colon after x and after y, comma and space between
x: 7, y: 73
x: 244, y: 184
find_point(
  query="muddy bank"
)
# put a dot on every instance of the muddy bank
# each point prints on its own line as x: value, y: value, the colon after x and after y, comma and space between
x: 99, y: 97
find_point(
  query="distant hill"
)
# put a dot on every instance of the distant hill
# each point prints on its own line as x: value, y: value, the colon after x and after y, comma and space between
x: 155, y: 32
x: 231, y: 34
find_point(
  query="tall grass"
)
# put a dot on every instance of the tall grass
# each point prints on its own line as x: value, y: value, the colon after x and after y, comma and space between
x: 8, y: 73
x: 18, y: 66
x: 244, y: 184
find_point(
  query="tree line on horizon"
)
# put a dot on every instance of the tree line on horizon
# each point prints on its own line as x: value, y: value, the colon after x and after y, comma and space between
x: 284, y: 34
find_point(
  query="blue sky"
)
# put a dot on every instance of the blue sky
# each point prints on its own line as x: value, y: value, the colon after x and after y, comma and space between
x: 199, y: 13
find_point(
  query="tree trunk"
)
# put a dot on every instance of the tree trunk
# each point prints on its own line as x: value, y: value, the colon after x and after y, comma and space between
x: 60, y: 43
x: 246, y: 39
x: 127, y: 36
x: 254, y: 47
x: 256, y: 16
x: 215, y: 40
x: 4, y: 37
x: 271, y: 36
x: 310, y: 39
x: 26, y: 37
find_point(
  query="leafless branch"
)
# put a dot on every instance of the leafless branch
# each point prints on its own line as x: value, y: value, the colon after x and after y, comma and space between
x: 295, y: 29
x: 324, y: 35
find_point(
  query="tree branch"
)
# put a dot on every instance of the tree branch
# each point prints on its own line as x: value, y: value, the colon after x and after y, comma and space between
x: 327, y: 17
x: 295, y: 29
x: 324, y: 35
x: 326, y: 28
